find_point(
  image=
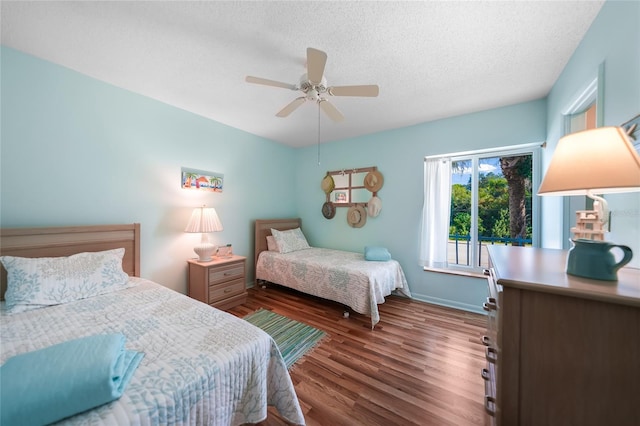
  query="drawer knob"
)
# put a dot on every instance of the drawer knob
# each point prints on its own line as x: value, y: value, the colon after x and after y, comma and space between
x: 485, y: 374
x: 490, y: 405
x: 490, y: 304
x: 491, y: 355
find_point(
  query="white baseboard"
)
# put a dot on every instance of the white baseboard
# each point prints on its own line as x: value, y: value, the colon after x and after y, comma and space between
x: 449, y: 303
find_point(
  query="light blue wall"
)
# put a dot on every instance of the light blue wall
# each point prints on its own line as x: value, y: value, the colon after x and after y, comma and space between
x: 78, y: 151
x: 614, y: 41
x: 399, y: 155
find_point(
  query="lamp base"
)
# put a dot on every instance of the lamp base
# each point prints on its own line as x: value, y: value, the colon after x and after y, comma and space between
x: 594, y: 259
x: 205, y: 252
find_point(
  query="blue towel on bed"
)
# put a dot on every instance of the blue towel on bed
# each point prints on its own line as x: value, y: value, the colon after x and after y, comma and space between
x: 49, y: 384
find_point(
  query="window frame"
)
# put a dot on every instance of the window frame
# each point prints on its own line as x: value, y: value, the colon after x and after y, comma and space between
x: 535, y: 150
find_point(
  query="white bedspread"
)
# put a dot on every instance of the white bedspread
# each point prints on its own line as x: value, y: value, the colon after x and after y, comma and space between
x: 341, y: 276
x: 201, y: 366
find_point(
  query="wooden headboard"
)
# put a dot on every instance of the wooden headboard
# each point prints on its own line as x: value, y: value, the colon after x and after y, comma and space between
x: 68, y: 240
x: 263, y: 230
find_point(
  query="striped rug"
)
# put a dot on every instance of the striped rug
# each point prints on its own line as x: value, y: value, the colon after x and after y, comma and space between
x: 293, y: 338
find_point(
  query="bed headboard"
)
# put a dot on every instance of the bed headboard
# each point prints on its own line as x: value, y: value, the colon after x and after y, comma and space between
x: 68, y: 240
x: 263, y: 229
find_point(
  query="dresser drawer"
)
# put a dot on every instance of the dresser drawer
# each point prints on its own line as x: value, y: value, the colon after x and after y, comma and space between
x: 226, y: 273
x: 228, y: 289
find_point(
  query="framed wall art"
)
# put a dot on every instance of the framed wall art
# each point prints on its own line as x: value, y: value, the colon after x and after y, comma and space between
x: 201, y: 180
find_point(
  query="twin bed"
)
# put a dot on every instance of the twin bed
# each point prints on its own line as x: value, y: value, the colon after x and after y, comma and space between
x: 200, y: 366
x: 340, y: 276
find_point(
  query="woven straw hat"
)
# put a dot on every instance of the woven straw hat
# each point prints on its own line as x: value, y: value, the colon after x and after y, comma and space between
x: 356, y: 216
x: 374, y: 206
x: 327, y: 184
x: 373, y: 181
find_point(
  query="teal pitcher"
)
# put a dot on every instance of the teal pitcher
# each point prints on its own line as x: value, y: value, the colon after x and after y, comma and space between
x: 594, y: 259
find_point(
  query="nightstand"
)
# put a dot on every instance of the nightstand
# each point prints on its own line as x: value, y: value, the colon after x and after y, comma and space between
x: 219, y: 283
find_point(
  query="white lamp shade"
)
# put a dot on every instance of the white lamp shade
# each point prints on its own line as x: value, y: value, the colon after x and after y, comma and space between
x: 597, y: 161
x: 204, y: 220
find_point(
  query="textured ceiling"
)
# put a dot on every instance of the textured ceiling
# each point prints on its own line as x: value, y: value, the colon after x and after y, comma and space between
x: 431, y: 59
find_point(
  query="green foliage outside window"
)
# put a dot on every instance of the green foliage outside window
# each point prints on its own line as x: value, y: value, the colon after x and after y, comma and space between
x: 493, y: 207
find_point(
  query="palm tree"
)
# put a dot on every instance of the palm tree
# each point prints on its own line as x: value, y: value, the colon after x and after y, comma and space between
x: 187, y: 180
x: 517, y: 172
x: 216, y: 182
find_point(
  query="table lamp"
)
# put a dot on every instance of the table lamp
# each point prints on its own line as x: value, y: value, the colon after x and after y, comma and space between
x: 590, y: 162
x: 204, y: 220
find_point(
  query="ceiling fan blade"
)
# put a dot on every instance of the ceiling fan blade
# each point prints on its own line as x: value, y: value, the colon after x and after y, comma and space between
x: 371, y: 90
x: 291, y: 107
x: 316, y: 60
x: 330, y: 110
x: 266, y: 82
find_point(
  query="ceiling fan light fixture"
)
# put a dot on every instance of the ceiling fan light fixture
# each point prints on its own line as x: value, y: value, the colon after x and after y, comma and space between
x: 305, y: 84
x: 313, y: 95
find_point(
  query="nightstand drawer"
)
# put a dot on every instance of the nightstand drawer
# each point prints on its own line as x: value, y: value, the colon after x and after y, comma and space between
x: 220, y: 292
x: 226, y: 273
x: 229, y: 303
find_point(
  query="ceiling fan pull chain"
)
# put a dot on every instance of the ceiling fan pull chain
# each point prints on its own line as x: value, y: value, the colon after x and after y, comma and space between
x: 318, y: 133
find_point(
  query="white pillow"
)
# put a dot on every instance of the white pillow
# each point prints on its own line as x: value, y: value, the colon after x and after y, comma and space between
x: 44, y: 281
x: 290, y: 240
x: 271, y: 244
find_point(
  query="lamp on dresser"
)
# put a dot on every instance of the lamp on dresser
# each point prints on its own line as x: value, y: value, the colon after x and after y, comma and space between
x: 204, y: 220
x: 590, y: 162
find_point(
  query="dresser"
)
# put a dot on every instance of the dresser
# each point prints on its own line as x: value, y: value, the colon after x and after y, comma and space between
x: 219, y: 283
x: 560, y: 350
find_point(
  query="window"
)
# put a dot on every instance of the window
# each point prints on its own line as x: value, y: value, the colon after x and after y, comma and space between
x: 492, y: 201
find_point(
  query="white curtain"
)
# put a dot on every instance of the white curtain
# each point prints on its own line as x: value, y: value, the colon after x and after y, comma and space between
x: 434, y: 233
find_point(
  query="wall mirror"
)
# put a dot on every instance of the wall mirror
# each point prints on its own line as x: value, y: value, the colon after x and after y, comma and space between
x: 349, y: 187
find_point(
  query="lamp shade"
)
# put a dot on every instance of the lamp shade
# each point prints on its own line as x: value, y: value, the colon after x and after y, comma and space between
x: 596, y: 161
x: 204, y: 220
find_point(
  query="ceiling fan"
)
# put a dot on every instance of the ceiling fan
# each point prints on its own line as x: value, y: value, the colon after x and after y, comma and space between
x: 314, y: 87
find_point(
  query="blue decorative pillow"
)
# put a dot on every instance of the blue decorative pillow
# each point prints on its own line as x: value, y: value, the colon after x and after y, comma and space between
x: 379, y: 254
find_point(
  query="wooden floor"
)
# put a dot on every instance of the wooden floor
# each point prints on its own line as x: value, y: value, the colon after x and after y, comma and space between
x: 419, y: 366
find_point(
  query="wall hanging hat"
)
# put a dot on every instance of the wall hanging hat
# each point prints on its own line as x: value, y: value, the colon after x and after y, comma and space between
x: 373, y: 181
x: 327, y: 184
x: 356, y: 216
x: 374, y: 206
x: 328, y: 210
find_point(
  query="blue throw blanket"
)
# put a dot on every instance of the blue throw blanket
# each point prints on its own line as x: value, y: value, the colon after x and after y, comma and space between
x: 59, y: 381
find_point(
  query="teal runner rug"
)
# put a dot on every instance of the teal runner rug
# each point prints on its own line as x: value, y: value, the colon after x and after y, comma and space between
x: 293, y: 338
